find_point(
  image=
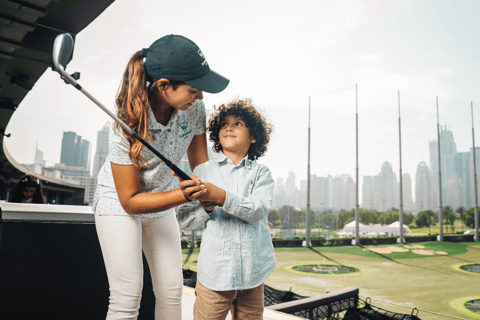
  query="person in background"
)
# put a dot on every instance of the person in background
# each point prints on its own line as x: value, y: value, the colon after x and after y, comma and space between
x: 28, y: 190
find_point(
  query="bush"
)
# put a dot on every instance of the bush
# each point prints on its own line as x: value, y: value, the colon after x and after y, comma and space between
x: 287, y: 243
x: 419, y: 238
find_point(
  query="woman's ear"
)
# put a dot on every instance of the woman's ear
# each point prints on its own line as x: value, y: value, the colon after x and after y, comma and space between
x: 162, y: 84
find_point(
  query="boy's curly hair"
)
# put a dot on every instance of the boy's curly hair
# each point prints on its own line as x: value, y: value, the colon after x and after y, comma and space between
x: 260, y: 128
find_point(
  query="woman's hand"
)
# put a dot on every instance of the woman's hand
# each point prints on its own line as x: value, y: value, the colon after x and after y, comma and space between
x: 191, y: 189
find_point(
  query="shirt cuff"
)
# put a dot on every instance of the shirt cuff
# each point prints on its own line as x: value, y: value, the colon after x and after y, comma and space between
x: 231, y: 205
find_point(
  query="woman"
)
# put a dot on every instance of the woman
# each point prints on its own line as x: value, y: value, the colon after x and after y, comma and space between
x: 28, y: 190
x: 160, y: 98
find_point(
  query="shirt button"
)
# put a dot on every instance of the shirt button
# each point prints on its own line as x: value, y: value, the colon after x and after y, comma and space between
x: 171, y: 142
x: 168, y: 130
x: 228, y: 208
x: 235, y: 233
x: 236, y: 256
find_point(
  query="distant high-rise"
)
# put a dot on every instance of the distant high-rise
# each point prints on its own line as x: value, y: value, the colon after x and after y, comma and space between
x: 101, y: 151
x: 75, y: 151
x: 424, y: 191
x: 455, y: 192
x: 472, y: 180
x: 291, y: 190
x: 448, y: 158
x: 463, y: 172
x: 67, y: 156
x: 368, y: 192
x: 408, y: 204
x: 343, y: 192
x: 38, y: 156
x: 387, y: 189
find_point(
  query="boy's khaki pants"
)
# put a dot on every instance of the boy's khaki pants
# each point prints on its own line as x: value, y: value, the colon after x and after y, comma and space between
x: 214, y: 305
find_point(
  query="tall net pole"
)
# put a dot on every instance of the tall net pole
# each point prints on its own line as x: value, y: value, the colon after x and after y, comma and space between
x: 401, y: 176
x: 475, y: 180
x: 357, y: 207
x: 307, y: 233
x: 440, y: 209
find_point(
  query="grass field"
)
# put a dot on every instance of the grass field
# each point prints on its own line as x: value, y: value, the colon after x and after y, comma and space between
x: 397, y: 281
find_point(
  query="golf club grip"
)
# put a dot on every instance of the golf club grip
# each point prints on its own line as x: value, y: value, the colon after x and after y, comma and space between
x: 172, y: 166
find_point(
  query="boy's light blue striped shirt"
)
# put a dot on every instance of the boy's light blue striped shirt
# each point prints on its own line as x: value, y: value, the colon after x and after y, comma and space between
x: 236, y: 251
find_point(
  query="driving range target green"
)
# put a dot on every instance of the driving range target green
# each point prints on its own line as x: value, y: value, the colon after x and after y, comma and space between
x: 470, y: 268
x: 326, y: 269
x: 468, y: 306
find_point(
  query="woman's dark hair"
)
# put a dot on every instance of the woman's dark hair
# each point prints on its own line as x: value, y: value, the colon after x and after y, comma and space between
x: 260, y: 128
x: 25, y: 182
x: 132, y: 100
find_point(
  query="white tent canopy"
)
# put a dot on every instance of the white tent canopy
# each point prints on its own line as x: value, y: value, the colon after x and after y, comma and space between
x: 390, y: 230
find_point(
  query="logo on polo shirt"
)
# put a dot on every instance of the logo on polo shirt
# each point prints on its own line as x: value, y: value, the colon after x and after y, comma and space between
x: 184, y: 126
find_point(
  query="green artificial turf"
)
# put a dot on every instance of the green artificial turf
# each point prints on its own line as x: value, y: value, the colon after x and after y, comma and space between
x: 397, y: 282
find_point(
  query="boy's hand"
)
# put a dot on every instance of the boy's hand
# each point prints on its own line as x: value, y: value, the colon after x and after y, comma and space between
x: 191, y: 189
x: 214, y: 194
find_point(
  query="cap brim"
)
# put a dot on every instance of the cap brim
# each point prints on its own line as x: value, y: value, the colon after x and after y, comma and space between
x: 212, y: 82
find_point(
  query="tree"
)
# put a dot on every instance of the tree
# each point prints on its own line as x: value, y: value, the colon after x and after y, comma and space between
x: 469, y: 218
x: 424, y: 219
x: 449, y: 216
x: 327, y: 219
x: 345, y: 217
x: 273, y: 216
x: 461, y: 212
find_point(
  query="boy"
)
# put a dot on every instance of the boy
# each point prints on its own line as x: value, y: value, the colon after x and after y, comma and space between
x: 236, y: 255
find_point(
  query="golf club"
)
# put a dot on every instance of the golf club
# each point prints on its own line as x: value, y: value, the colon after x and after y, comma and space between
x: 62, y: 53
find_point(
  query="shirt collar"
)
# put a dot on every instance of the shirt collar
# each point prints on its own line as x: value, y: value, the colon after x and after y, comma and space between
x: 222, y: 159
x: 154, y: 125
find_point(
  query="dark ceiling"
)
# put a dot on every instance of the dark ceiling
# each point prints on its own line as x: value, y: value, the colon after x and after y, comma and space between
x: 27, y: 31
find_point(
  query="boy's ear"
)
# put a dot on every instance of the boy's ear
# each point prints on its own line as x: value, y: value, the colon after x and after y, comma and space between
x: 253, y: 140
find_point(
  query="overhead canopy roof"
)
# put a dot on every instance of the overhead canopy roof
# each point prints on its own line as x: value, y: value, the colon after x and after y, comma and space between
x: 27, y: 31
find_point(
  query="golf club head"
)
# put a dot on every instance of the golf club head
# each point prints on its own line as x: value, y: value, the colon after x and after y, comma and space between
x: 62, y: 51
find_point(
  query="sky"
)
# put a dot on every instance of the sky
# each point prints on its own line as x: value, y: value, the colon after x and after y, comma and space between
x: 283, y: 54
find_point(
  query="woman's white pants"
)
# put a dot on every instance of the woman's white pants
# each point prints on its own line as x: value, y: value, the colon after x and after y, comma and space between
x: 122, y: 239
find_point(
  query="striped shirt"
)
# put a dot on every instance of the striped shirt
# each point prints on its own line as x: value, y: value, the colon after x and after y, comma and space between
x: 236, y: 251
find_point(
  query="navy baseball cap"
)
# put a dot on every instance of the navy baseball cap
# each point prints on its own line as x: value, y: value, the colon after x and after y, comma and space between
x: 175, y: 57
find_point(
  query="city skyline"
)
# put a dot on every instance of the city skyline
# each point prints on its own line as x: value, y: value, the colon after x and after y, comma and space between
x: 453, y: 179
x: 424, y: 49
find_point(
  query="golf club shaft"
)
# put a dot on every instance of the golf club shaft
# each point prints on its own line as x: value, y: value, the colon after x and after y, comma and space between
x: 172, y: 166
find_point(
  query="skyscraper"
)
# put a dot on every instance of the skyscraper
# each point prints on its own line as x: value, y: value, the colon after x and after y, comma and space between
x: 472, y: 180
x: 463, y: 172
x: 38, y: 156
x: 368, y: 192
x: 75, y: 150
x: 387, y: 187
x: 67, y: 156
x: 448, y: 158
x: 101, y: 151
x: 408, y: 204
x: 424, y: 191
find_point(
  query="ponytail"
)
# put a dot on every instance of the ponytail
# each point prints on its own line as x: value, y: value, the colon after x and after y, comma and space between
x: 131, y: 102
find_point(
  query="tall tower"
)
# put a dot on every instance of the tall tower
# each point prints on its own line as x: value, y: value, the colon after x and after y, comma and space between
x: 385, y: 197
x: 424, y: 189
x: 448, y: 159
x: 407, y: 192
x: 101, y: 151
x: 67, y: 156
x: 38, y: 156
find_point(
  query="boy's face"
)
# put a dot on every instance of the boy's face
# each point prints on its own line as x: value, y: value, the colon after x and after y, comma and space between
x: 234, y: 136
